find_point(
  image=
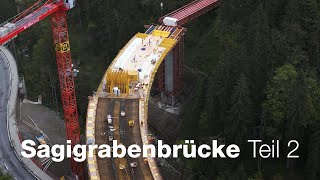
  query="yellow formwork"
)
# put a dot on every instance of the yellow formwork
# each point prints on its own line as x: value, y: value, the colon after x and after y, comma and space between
x: 141, y: 35
x: 168, y: 44
x: 120, y: 79
x: 133, y: 75
x: 160, y: 33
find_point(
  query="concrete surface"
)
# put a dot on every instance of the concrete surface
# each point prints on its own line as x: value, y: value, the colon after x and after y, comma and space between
x: 132, y: 136
x: 109, y: 167
x: 48, y: 122
x: 10, y: 148
x: 106, y: 166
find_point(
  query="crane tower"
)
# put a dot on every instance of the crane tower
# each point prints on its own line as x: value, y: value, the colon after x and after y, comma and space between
x: 37, y: 12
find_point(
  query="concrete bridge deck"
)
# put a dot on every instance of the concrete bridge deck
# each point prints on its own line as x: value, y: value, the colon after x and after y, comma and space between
x: 143, y: 54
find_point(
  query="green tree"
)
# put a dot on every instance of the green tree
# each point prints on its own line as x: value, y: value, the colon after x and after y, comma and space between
x: 4, y: 176
x: 312, y: 167
x: 274, y: 108
x: 240, y: 114
x: 300, y: 108
x: 8, y: 9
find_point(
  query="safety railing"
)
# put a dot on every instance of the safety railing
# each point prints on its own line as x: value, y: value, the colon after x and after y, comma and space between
x: 90, y: 137
x: 168, y: 44
x: 11, y: 109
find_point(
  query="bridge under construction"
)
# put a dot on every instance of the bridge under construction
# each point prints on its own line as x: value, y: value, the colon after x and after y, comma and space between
x: 156, y: 54
x: 118, y: 110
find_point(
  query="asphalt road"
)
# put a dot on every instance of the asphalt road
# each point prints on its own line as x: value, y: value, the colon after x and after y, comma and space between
x: 8, y: 159
x: 132, y: 136
x: 109, y: 167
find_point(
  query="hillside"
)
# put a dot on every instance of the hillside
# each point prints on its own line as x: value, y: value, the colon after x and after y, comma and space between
x: 259, y: 64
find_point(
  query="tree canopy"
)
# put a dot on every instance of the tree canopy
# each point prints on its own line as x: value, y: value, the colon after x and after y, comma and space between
x: 261, y: 66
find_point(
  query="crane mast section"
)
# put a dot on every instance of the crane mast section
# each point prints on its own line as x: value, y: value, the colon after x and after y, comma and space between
x: 65, y: 72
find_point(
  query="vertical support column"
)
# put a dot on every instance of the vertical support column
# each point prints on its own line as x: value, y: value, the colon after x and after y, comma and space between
x: 170, y: 83
x: 64, y: 63
x: 161, y: 77
x: 178, y: 67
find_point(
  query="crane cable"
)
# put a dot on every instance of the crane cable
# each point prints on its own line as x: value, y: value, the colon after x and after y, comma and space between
x: 27, y: 10
x: 69, y: 15
x: 15, y: 18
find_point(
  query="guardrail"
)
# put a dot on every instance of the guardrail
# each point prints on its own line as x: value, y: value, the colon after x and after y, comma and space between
x: 93, y: 169
x: 168, y: 44
x: 13, y: 92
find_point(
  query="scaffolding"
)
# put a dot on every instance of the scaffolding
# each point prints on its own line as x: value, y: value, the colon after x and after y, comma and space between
x: 120, y: 79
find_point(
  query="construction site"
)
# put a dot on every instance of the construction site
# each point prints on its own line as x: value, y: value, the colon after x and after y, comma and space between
x: 156, y: 55
x: 79, y: 79
x: 119, y: 109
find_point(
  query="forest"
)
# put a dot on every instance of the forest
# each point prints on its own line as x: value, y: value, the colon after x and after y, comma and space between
x: 260, y: 61
x: 4, y: 176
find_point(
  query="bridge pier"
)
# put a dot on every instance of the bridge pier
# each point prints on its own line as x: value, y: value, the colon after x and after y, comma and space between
x: 170, y: 74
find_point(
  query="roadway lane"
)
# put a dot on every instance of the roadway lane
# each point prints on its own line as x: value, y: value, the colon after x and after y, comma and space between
x: 132, y: 136
x: 122, y: 164
x: 106, y: 165
x: 109, y: 167
x: 8, y: 159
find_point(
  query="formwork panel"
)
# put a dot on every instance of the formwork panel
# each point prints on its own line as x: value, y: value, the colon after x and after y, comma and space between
x: 169, y: 68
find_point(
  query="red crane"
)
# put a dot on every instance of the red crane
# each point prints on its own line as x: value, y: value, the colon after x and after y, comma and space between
x: 57, y: 9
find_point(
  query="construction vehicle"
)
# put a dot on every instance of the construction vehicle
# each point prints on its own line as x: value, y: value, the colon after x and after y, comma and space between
x: 145, y: 161
x: 131, y: 123
x: 109, y: 121
x: 41, y: 139
x: 110, y: 138
x: 133, y: 164
x: 122, y: 167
